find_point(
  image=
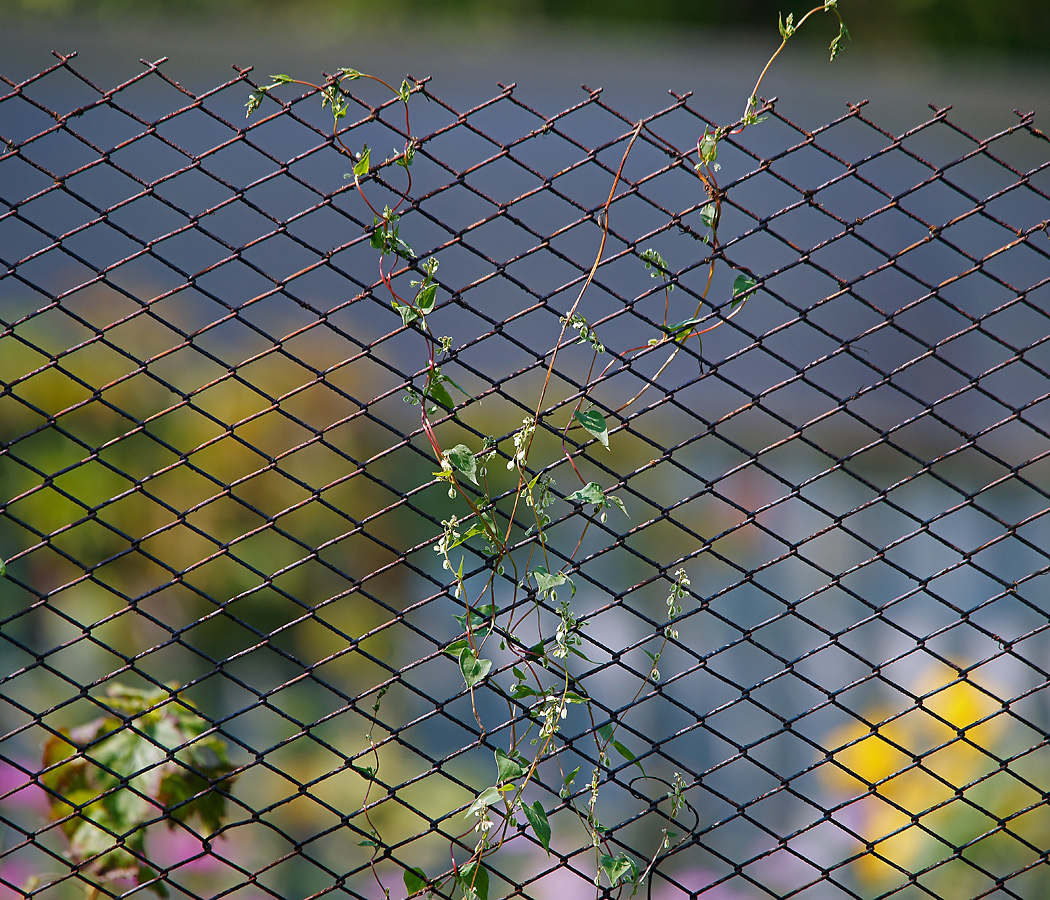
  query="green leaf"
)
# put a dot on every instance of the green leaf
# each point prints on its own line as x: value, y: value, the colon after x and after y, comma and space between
x: 627, y: 754
x: 110, y: 777
x: 708, y: 146
x: 606, y: 733
x: 255, y: 99
x: 406, y: 159
x: 281, y: 79
x: 351, y: 74
x: 415, y: 880
x: 681, y: 330
x: 474, y: 670
x: 479, y: 616
x: 546, y: 582
x: 590, y: 493
x: 616, y: 867
x: 488, y: 797
x: 510, y: 768
x: 594, y: 422
x: 709, y: 215
x: 476, y: 528
x: 742, y: 286
x: 3, y: 568
x: 593, y: 493
x: 837, y: 45
x: 437, y: 392
x: 538, y: 820
x: 361, y: 166
x: 425, y: 298
x: 455, y: 384
x: 474, y: 880
x: 372, y: 844
x: 456, y: 648
x: 406, y: 91
x: 787, y: 28
x: 463, y: 461
x: 409, y: 314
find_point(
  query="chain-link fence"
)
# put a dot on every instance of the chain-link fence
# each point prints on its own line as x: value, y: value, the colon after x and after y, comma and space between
x: 216, y: 501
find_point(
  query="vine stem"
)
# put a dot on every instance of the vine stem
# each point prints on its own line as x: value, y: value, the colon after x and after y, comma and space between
x: 776, y: 53
x: 567, y: 316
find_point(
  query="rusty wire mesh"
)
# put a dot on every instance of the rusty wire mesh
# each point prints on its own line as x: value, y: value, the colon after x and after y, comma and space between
x: 211, y: 484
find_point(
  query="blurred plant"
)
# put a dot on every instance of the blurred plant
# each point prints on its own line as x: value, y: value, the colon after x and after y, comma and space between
x: 944, y: 797
x: 151, y: 757
x: 510, y: 525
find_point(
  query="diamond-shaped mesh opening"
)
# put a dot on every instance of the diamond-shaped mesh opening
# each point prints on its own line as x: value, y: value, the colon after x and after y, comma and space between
x: 214, y: 494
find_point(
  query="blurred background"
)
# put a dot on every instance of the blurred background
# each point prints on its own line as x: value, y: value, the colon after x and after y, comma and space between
x: 984, y: 57
x: 261, y: 626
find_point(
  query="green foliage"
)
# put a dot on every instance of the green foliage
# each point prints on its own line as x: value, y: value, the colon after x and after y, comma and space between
x: 593, y: 493
x: 386, y: 236
x: 616, y: 868
x: 474, y: 670
x: 150, y: 756
x: 654, y: 260
x: 538, y: 820
x: 513, y: 518
x: 510, y: 768
x: 473, y: 881
x: 595, y: 423
x: 415, y: 881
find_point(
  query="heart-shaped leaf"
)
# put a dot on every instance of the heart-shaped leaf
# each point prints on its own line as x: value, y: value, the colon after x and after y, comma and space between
x: 425, y: 298
x: 474, y: 670
x: 742, y: 286
x: 361, y: 166
x: 510, y: 768
x: 616, y: 867
x: 463, y: 461
x: 594, y: 422
x: 589, y: 493
x: 474, y: 881
x: 415, y: 880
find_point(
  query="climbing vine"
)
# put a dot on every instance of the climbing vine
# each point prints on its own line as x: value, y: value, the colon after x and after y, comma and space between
x: 523, y: 577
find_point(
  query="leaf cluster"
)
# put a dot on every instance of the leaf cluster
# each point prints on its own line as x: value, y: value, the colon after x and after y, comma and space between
x: 149, y: 757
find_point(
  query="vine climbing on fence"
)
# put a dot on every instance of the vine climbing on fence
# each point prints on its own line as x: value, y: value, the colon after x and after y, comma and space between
x: 510, y: 525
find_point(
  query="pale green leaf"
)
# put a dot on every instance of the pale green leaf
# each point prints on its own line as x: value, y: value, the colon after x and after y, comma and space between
x: 595, y: 423
x: 589, y: 493
x: 463, y: 461
x: 425, y: 298
x: 742, y: 286
x: 616, y: 867
x: 361, y: 166
x: 488, y: 797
